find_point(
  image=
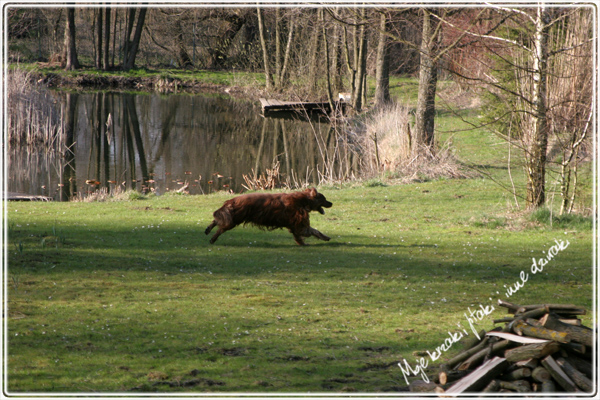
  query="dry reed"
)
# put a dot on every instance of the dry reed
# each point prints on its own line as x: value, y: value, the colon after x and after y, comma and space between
x: 34, y: 120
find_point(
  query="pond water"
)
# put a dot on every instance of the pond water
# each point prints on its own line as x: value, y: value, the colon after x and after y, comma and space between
x: 160, y: 143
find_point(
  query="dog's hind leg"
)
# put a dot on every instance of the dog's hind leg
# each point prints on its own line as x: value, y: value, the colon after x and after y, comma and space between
x: 210, y: 227
x: 219, y: 232
x: 298, y: 238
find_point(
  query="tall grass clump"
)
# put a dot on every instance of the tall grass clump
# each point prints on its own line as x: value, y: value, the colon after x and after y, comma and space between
x: 386, y: 142
x: 34, y: 120
x: 545, y: 217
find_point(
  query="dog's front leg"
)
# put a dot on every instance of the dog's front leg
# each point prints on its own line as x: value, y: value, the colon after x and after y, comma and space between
x: 318, y: 235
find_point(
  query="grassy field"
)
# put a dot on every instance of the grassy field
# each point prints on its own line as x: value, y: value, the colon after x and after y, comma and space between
x: 129, y: 296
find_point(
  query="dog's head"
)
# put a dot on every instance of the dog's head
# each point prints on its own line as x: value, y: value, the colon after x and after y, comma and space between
x: 317, y: 201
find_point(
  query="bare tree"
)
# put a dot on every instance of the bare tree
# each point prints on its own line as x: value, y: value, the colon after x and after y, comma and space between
x: 70, y: 49
x: 133, y: 45
x: 518, y: 70
x: 382, y: 65
x: 263, y: 44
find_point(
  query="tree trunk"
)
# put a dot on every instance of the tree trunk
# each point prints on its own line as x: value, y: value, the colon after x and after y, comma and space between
x: 263, y: 44
x: 286, y: 57
x: 361, y: 72
x: 185, y: 61
x: 71, y: 61
x: 425, y: 113
x: 278, y: 47
x: 537, y: 143
x: 107, y: 38
x: 136, y: 40
x: 382, y: 74
x: 99, y: 47
x: 129, y: 20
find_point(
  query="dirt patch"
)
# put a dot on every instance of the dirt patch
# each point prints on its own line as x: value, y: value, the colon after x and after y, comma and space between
x: 233, y: 352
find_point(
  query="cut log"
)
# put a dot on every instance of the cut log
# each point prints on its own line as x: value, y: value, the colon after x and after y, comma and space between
x: 517, y: 374
x: 492, y: 387
x: 446, y: 377
x: 540, y: 374
x: 480, y: 355
x: 536, y: 350
x: 534, y: 313
x: 516, y: 386
x: 581, y: 365
x: 479, y: 378
x: 522, y: 328
x: 579, y: 334
x: 560, y: 308
x: 580, y: 379
x: 559, y: 375
x: 473, y: 340
x: 424, y: 387
x: 576, y: 348
x: 466, y: 354
x: 549, y: 387
x: 512, y: 307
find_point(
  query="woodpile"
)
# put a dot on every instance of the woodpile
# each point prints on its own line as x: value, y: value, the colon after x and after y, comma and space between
x: 542, y: 348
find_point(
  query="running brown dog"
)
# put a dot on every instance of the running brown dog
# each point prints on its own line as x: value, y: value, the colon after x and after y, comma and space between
x: 272, y: 211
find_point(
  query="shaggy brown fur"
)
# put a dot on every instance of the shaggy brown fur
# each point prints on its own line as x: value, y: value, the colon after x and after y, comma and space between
x: 272, y: 211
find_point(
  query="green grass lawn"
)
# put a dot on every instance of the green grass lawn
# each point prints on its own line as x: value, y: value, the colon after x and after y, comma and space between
x: 129, y: 296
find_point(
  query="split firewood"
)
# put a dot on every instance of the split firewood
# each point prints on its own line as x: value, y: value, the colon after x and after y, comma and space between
x: 540, y: 374
x: 480, y: 355
x: 521, y: 328
x: 559, y: 375
x: 580, y: 379
x: 571, y: 321
x: 579, y: 334
x: 479, y: 378
x: 468, y: 353
x: 516, y: 338
x: 446, y: 377
x: 530, y: 363
x: 424, y: 387
x: 517, y: 374
x: 536, y: 350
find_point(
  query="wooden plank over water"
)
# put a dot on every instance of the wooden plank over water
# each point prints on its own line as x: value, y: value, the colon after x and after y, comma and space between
x: 273, y: 106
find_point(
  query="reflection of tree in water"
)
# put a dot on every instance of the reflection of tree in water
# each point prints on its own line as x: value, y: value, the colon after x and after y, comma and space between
x: 152, y: 141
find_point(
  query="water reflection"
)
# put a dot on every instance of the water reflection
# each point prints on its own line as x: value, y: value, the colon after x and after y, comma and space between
x: 152, y: 142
